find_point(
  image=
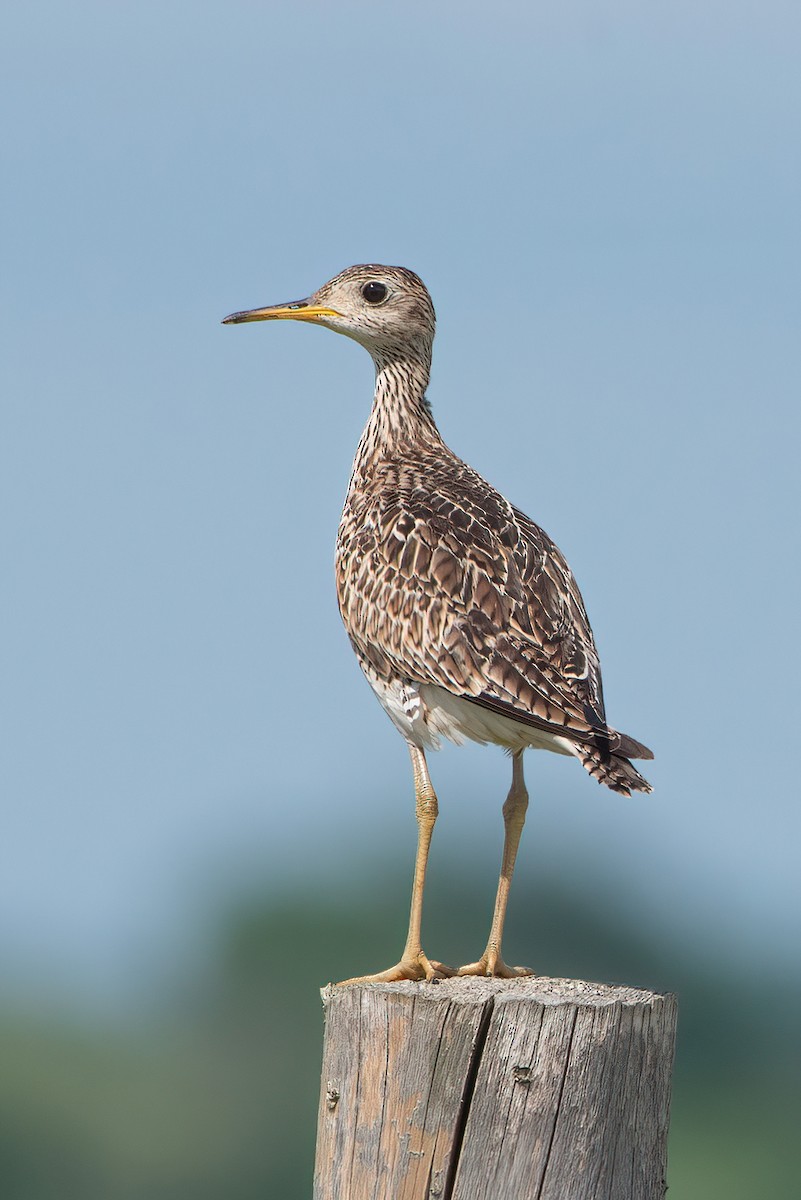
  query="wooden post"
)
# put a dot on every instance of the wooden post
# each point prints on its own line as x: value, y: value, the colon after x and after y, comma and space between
x: 471, y: 1089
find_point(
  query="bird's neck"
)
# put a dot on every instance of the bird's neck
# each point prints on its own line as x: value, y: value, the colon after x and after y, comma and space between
x: 401, y: 417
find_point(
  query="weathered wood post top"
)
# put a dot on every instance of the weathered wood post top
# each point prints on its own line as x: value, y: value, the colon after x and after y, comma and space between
x: 471, y: 1089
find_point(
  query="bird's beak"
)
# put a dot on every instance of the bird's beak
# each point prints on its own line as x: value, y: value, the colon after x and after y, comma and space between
x: 298, y: 310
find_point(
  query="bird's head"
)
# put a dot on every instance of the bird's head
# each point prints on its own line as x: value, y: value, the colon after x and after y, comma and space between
x: 386, y: 309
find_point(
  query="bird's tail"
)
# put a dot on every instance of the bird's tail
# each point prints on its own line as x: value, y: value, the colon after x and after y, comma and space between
x: 614, y: 769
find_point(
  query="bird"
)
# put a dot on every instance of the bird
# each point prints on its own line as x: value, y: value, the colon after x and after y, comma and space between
x: 464, y: 616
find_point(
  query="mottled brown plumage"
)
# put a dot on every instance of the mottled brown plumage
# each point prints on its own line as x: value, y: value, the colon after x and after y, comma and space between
x: 441, y: 581
x: 464, y: 615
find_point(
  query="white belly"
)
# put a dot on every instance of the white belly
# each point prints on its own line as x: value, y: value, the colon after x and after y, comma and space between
x: 425, y: 714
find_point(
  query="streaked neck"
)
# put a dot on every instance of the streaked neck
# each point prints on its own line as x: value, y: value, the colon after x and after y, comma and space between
x: 400, y: 417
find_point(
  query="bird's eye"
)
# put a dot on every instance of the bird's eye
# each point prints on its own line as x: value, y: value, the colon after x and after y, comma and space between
x: 374, y: 292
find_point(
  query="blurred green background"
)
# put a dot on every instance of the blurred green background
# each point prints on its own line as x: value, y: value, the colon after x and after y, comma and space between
x: 205, y: 815
x: 215, y: 1093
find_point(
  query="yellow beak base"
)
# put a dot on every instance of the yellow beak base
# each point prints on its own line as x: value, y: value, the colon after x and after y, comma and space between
x: 299, y: 310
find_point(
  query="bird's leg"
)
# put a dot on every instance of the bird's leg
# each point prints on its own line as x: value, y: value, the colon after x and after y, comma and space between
x: 514, y: 816
x: 413, y: 963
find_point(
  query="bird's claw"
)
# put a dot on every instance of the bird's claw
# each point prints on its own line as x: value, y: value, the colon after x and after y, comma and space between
x: 492, y: 965
x: 414, y: 967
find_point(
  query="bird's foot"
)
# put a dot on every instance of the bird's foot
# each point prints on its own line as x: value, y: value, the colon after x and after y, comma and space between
x: 412, y: 966
x: 491, y: 964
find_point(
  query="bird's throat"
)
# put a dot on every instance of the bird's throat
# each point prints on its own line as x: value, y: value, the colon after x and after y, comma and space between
x: 401, y: 416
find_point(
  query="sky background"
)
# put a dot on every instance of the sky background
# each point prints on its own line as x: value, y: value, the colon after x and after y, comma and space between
x: 604, y: 202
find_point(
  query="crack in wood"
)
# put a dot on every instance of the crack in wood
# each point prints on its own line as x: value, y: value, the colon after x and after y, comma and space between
x: 467, y: 1098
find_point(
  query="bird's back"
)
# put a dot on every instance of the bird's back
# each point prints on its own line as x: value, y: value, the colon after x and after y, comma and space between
x: 442, y: 582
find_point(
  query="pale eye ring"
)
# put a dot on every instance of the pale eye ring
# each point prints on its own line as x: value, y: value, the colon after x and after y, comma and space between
x: 375, y: 292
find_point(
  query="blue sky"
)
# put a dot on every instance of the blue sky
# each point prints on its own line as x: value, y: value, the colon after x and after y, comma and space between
x: 603, y: 200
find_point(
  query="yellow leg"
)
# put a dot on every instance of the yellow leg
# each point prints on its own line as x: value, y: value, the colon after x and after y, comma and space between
x: 413, y: 963
x: 514, y: 817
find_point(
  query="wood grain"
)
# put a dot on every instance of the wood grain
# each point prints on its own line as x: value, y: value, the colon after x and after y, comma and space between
x: 530, y: 1089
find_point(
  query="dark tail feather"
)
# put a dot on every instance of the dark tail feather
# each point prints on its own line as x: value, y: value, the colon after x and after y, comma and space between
x: 614, y: 770
x: 629, y: 747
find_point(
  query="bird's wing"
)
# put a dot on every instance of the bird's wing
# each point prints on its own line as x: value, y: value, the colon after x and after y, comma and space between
x: 442, y: 581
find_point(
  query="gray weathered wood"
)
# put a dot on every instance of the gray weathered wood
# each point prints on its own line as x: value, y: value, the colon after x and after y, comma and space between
x: 529, y: 1089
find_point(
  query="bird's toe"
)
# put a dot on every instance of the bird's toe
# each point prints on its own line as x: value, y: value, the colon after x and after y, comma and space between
x: 492, y: 966
x: 415, y: 968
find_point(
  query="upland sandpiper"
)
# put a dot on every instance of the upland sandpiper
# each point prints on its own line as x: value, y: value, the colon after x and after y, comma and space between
x: 463, y: 614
